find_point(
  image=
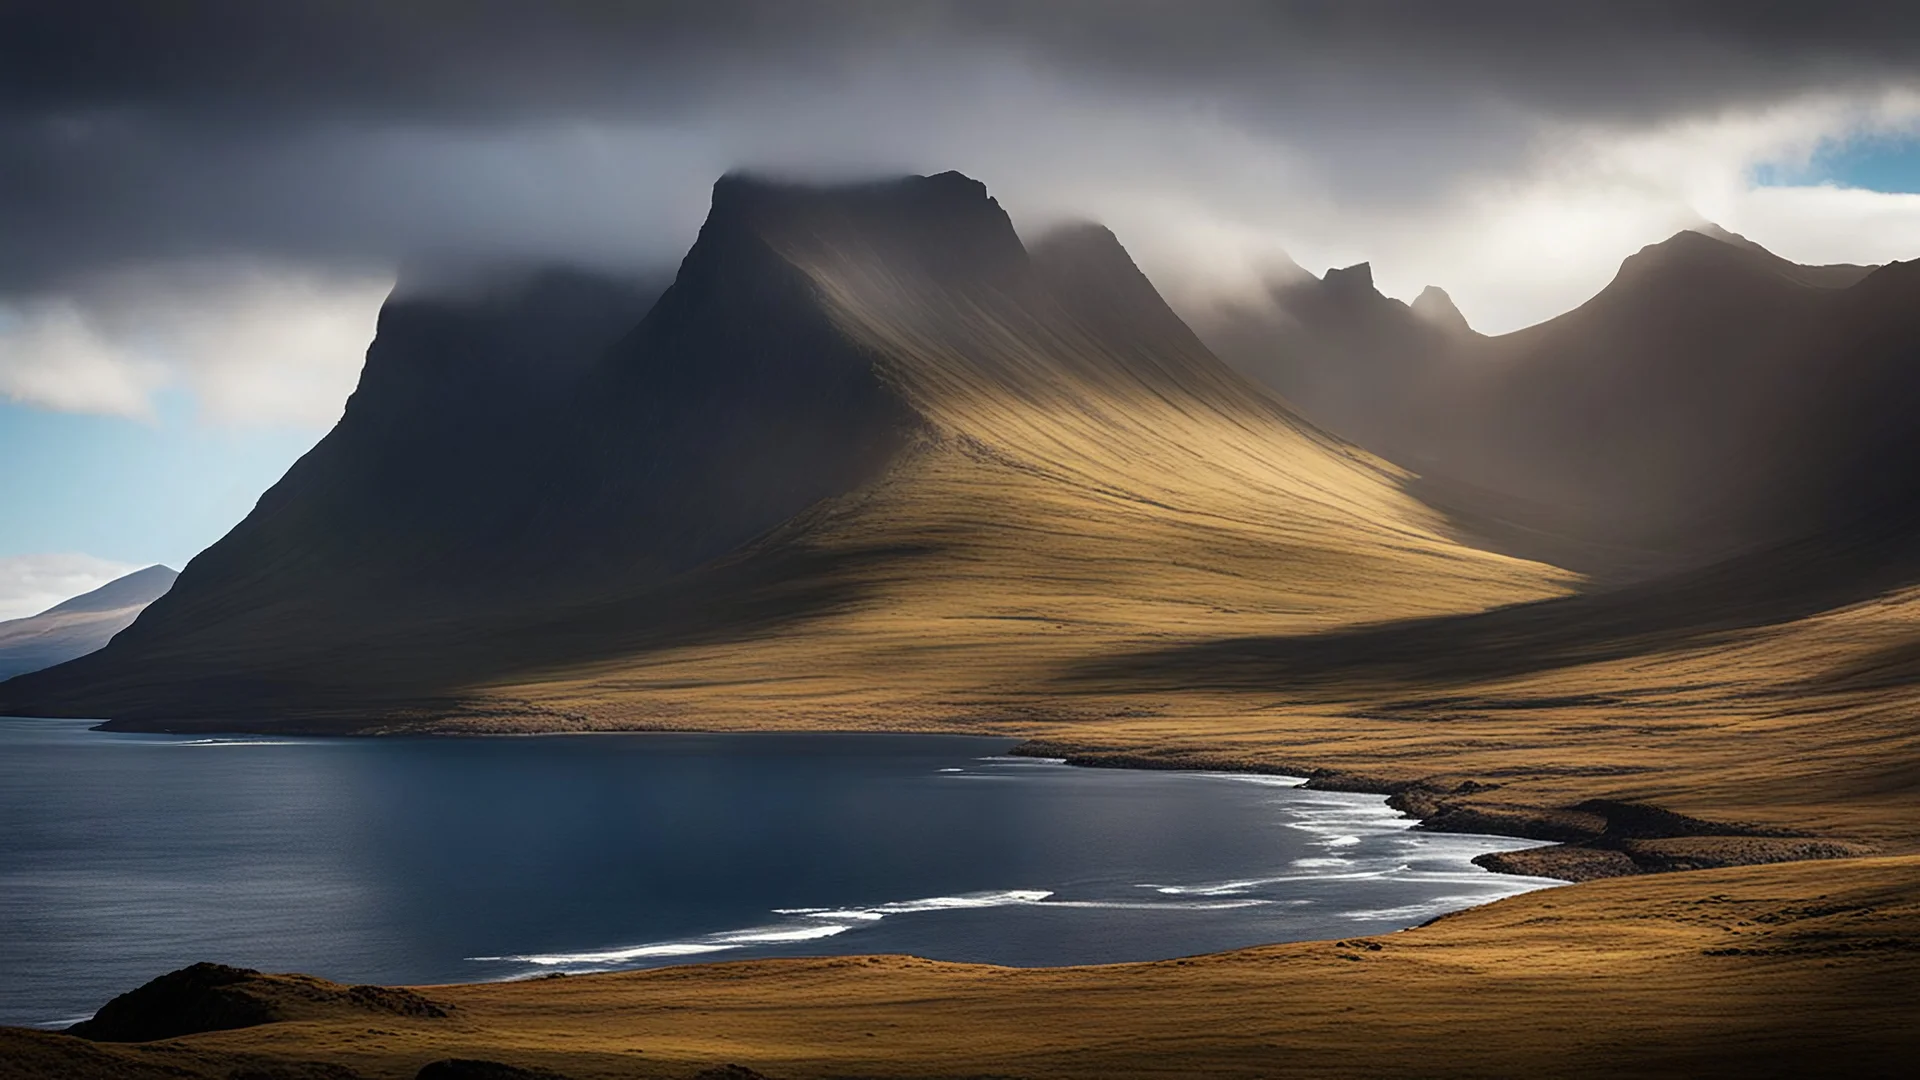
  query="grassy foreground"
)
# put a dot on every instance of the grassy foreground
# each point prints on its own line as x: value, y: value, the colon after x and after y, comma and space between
x: 1802, y: 968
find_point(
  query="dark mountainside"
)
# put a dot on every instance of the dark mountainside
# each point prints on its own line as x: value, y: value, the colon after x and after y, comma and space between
x: 1714, y: 399
x: 843, y: 386
x: 1368, y: 368
x: 542, y: 445
x: 421, y: 505
x: 79, y: 626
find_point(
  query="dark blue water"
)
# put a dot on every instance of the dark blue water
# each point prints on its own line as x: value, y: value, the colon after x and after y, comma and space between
x: 437, y: 860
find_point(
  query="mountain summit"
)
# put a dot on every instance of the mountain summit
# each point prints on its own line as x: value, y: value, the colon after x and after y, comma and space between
x: 867, y: 456
x: 1714, y: 398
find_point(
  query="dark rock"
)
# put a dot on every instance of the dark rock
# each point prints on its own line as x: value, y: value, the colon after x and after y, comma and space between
x: 203, y: 997
x: 1568, y: 862
x: 1357, y: 278
x: 216, y: 997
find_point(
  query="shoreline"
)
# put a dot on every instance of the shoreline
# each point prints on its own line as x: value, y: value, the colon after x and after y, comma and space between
x: 1641, y: 946
x: 1001, y: 748
x: 1587, y: 841
x: 1595, y: 839
x: 1609, y: 978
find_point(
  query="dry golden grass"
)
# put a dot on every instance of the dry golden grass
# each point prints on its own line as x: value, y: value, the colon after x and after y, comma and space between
x: 1797, y: 969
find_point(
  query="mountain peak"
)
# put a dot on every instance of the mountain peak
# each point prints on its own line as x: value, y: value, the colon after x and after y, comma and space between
x: 1708, y: 248
x: 1726, y: 236
x: 1084, y: 249
x: 945, y: 225
x: 1354, y: 279
x: 1437, y: 308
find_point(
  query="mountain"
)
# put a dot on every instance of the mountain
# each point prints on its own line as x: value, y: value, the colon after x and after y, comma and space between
x: 80, y: 625
x: 1713, y: 399
x: 1367, y: 367
x: 869, y: 456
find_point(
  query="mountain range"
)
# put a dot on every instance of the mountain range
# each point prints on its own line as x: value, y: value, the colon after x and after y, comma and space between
x: 871, y: 459
x: 1713, y: 400
x: 868, y: 454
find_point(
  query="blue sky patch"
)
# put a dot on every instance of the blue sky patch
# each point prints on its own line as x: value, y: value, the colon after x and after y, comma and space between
x: 1878, y: 163
x: 135, y: 491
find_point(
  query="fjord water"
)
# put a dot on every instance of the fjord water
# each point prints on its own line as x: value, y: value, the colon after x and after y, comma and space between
x: 413, y: 860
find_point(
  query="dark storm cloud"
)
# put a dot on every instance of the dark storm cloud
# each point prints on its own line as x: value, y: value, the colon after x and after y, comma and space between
x: 495, y: 58
x: 344, y: 131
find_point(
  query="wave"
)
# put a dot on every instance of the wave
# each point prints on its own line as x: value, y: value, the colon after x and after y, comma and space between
x: 1001, y: 898
x: 238, y: 742
x: 812, y: 924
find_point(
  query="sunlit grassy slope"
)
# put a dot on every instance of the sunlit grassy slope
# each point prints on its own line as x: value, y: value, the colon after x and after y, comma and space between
x: 1089, y: 478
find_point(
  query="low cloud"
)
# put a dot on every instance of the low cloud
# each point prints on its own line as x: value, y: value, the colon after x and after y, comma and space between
x: 251, y: 346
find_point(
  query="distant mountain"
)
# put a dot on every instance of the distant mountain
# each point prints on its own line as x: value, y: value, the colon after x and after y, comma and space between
x: 80, y: 625
x: 868, y: 456
x: 1714, y: 398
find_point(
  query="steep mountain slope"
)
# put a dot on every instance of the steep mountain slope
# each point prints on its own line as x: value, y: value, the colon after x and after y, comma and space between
x: 868, y: 451
x: 1369, y: 368
x: 1707, y: 402
x: 80, y: 625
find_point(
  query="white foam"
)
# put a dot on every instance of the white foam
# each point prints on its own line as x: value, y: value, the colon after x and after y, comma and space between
x: 1161, y: 905
x: 811, y: 924
x: 777, y: 935
x: 1439, y: 905
x: 1229, y: 888
x: 1262, y: 779
x: 239, y: 742
x: 710, y: 943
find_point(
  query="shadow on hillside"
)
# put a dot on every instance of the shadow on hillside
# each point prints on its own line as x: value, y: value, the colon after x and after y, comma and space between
x: 1696, y: 609
x: 751, y: 595
x: 755, y: 594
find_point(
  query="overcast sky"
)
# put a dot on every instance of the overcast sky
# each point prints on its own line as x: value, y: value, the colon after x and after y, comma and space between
x: 202, y: 204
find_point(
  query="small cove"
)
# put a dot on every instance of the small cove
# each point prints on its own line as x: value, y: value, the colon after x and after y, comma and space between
x: 416, y: 860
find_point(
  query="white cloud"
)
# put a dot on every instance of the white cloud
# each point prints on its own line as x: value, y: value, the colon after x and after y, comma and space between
x: 1518, y: 248
x: 1828, y: 224
x: 30, y: 584
x: 254, y: 346
x: 53, y: 355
